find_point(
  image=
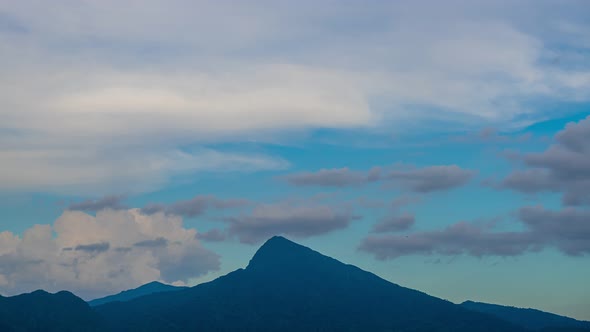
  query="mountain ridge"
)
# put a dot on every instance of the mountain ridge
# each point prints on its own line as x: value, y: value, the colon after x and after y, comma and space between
x: 127, y: 295
x: 530, y: 318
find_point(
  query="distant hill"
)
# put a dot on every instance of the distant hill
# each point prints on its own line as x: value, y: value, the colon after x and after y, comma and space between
x: 530, y: 318
x: 288, y: 287
x: 149, y: 288
x: 44, y: 312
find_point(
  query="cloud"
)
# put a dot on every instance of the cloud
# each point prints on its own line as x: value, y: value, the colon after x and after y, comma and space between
x: 394, y: 223
x: 194, y: 207
x: 88, y: 170
x: 158, y: 242
x: 299, y: 221
x: 567, y: 230
x: 93, y: 247
x: 337, y: 177
x: 433, y: 178
x: 93, y: 205
x: 85, y: 102
x: 98, y: 255
x: 214, y: 235
x: 563, y: 167
x: 420, y: 180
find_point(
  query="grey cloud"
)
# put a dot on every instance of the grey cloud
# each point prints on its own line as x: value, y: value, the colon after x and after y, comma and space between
x: 433, y: 178
x: 567, y: 230
x: 394, y: 223
x: 107, y: 202
x: 336, y: 177
x: 576, y: 136
x: 11, y: 24
x: 296, y: 221
x: 214, y: 235
x: 193, y: 207
x: 564, y: 167
x: 530, y: 181
x: 155, y: 243
x: 422, y: 180
x: 460, y: 238
x: 93, y: 247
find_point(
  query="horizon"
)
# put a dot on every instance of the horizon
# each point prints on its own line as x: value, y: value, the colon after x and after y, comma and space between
x: 442, y: 147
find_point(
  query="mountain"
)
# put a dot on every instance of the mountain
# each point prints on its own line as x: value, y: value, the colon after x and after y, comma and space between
x: 42, y: 311
x: 288, y: 287
x: 529, y: 318
x: 149, y: 288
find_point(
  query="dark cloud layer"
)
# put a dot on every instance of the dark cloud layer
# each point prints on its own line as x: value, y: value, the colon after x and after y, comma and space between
x: 567, y: 230
x: 422, y: 180
x: 564, y: 167
x: 300, y: 221
x: 114, y: 202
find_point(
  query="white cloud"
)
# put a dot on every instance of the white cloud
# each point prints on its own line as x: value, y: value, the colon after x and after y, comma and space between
x: 86, y: 170
x: 102, y: 254
x: 84, y: 77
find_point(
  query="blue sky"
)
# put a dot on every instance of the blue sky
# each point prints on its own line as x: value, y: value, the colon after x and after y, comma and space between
x: 441, y: 146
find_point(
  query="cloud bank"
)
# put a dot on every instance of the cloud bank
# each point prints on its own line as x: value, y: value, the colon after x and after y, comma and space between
x: 566, y: 230
x: 97, y: 255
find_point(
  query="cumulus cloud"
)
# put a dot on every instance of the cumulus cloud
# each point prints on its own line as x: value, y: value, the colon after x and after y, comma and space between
x: 419, y: 180
x: 298, y: 221
x: 107, y: 202
x: 102, y: 254
x: 566, y: 230
x: 194, y: 207
x: 564, y: 167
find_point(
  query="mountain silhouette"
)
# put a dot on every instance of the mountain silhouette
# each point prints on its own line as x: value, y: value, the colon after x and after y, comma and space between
x: 288, y: 287
x: 530, y: 318
x: 149, y: 288
x: 44, y: 312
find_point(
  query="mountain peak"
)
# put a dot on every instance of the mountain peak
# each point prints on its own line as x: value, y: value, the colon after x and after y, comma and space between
x: 280, y: 252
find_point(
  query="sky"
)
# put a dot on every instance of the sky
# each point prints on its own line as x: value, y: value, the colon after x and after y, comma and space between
x: 440, y: 145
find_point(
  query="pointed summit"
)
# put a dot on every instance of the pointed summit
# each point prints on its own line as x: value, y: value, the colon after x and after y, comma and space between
x: 280, y: 255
